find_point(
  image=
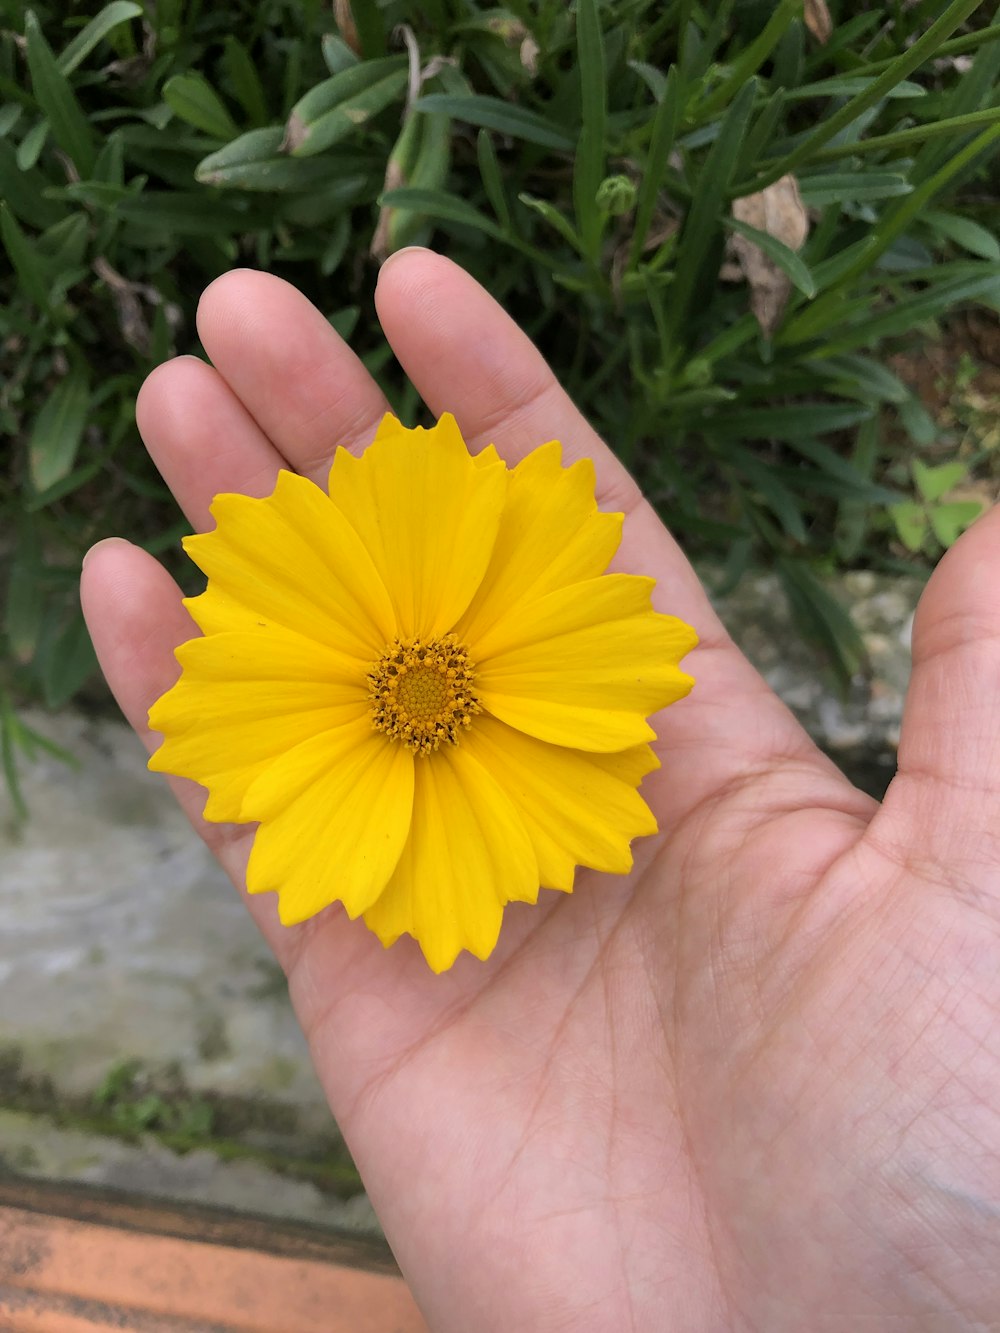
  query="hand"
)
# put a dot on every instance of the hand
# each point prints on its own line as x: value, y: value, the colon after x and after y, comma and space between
x: 754, y: 1085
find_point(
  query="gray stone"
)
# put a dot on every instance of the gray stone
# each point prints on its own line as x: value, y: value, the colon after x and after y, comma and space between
x: 866, y: 722
x: 123, y: 938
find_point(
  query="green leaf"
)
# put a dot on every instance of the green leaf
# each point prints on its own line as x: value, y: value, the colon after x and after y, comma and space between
x: 913, y: 137
x: 661, y: 145
x: 245, y: 81
x: 917, y: 421
x: 371, y: 27
x: 964, y: 232
x: 821, y: 618
x: 696, y: 263
x: 910, y: 521
x: 489, y: 170
x: 339, y: 91
x: 110, y: 17
x: 56, y: 99
x: 864, y: 377
x: 933, y: 482
x: 654, y: 79
x: 949, y: 521
x: 782, y: 255
x: 780, y: 500
x: 904, y: 64
x: 58, y: 430
x: 554, y: 218
x: 9, y: 734
x: 588, y: 167
x: 22, y: 191
x: 193, y: 98
x: 65, y: 244
x: 492, y: 113
x: 853, y: 512
x: 337, y: 55
x: 749, y: 61
x: 188, y: 213
x: 23, y: 610
x: 346, y: 118
x: 444, y: 207
x: 850, y: 86
x: 67, y: 663
x: 9, y: 116
x: 28, y: 264
x: 914, y: 309
x: 254, y: 162
x: 30, y: 147
x: 798, y: 421
x: 852, y: 187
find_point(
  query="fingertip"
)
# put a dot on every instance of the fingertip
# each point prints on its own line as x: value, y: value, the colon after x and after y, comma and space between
x: 226, y: 288
x: 97, y: 553
x: 400, y: 263
x: 960, y: 602
x: 159, y: 390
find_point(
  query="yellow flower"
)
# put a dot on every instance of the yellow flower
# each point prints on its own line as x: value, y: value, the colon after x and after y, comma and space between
x: 423, y: 686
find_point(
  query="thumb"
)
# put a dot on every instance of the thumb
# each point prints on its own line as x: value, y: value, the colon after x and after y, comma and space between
x: 947, y: 787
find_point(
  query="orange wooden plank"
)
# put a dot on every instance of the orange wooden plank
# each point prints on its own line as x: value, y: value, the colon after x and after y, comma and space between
x: 62, y: 1275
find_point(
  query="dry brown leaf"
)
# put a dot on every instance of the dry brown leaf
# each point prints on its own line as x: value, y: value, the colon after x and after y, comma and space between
x: 344, y: 19
x: 818, y: 21
x: 779, y: 211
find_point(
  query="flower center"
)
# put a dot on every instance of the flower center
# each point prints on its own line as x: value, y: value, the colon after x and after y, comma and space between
x: 421, y: 692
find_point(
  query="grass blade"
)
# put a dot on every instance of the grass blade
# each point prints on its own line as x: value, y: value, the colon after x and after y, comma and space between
x: 492, y: 113
x: 696, y: 255
x: 193, y: 98
x: 118, y: 12
x: 69, y: 125
x: 58, y: 430
x: 661, y: 145
x: 782, y: 255
x: 922, y: 49
x: 588, y: 171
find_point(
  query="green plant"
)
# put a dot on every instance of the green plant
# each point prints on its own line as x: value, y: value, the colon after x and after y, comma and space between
x: 136, y: 1104
x: 933, y: 522
x: 583, y: 161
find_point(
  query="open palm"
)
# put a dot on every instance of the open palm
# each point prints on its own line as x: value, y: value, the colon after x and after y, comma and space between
x: 753, y: 1085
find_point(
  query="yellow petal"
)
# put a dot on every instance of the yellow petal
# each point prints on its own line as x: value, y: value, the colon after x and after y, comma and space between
x: 244, y: 698
x: 584, y: 666
x: 576, y: 812
x: 551, y: 534
x: 295, y: 559
x: 428, y: 513
x: 468, y: 853
x: 336, y: 814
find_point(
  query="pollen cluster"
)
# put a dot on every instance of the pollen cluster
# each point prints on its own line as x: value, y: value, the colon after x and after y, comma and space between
x: 421, y: 692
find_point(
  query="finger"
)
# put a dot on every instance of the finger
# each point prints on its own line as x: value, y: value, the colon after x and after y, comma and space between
x: 299, y: 380
x: 465, y: 355
x: 136, y: 619
x: 945, y: 797
x: 201, y: 437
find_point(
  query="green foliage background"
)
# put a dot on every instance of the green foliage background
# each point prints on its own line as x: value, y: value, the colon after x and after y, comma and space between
x: 579, y: 159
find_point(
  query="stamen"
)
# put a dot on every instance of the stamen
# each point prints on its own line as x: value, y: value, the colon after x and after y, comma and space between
x: 421, y: 692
